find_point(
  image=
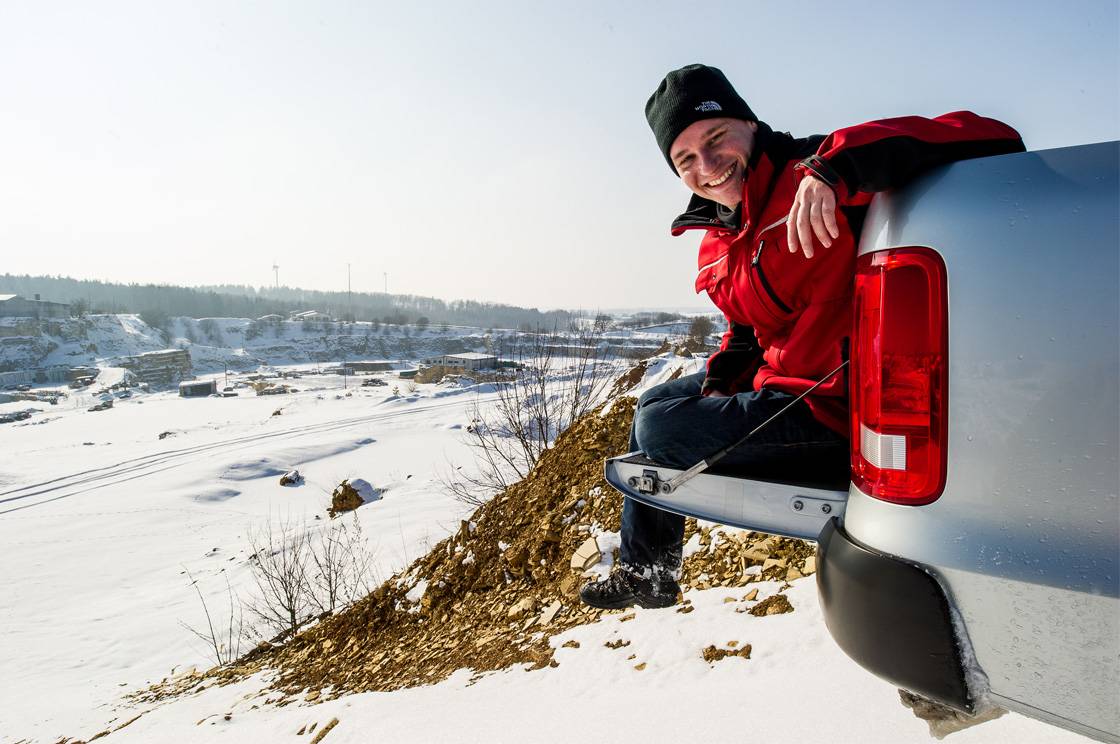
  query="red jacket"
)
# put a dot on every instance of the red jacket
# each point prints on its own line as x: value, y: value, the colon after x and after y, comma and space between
x: 789, y: 316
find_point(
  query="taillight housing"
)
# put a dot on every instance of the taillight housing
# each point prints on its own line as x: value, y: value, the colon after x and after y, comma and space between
x: 900, y: 376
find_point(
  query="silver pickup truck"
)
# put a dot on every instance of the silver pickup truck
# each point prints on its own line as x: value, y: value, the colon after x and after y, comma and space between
x: 973, y: 556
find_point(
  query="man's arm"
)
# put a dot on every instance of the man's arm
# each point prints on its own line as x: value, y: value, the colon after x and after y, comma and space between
x: 736, y: 362
x: 853, y: 163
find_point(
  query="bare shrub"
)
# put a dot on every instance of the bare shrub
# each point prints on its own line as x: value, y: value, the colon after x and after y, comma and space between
x: 343, y: 566
x: 300, y: 575
x: 557, y: 379
x: 223, y: 640
x: 280, y: 557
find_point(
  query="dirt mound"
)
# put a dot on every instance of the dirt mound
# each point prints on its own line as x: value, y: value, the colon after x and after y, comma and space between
x: 629, y: 379
x: 491, y: 595
x: 344, y: 498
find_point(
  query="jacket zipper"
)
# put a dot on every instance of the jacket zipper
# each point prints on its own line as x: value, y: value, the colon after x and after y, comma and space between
x: 757, y: 264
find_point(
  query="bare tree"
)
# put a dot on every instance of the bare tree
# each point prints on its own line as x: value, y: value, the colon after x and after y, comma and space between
x: 557, y: 379
x: 700, y: 328
x: 342, y: 566
x: 224, y: 641
x: 280, y: 560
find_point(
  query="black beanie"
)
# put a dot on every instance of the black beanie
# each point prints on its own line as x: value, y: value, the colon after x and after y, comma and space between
x: 688, y: 95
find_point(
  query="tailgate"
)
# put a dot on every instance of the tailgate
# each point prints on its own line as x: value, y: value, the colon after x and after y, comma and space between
x: 777, y: 508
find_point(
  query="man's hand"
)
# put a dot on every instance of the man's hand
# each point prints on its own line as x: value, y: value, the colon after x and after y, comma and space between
x: 813, y: 212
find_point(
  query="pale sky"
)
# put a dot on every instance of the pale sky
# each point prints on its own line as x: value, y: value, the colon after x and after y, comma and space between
x: 493, y: 151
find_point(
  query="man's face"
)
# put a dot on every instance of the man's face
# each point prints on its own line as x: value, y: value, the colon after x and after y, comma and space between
x: 711, y: 157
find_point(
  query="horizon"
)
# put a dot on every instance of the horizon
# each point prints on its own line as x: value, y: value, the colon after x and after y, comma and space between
x: 441, y: 151
x: 621, y: 310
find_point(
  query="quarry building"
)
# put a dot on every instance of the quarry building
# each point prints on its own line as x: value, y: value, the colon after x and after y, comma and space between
x: 14, y: 306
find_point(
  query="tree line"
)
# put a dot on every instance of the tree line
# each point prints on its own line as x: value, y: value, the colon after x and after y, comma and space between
x: 160, y: 301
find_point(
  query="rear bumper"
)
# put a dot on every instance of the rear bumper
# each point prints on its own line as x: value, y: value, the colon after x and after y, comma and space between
x: 891, y: 617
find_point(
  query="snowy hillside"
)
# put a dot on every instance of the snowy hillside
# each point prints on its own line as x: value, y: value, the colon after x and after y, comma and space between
x: 106, y: 518
x: 242, y: 344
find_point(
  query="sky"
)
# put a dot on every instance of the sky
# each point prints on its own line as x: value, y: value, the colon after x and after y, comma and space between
x: 492, y: 151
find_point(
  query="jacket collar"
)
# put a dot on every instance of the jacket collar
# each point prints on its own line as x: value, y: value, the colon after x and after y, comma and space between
x: 771, y: 151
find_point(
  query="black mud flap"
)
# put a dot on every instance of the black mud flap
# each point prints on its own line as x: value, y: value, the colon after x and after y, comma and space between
x: 892, y: 618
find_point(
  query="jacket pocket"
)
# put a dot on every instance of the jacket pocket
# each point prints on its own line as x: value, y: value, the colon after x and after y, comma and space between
x: 712, y: 274
x: 764, y: 283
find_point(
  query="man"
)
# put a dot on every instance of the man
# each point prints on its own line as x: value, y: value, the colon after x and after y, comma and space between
x: 781, y: 218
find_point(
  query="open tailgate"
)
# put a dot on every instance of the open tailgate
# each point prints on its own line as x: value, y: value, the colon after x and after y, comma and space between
x: 776, y: 508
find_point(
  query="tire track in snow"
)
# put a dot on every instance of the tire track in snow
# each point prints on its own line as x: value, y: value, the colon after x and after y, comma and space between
x: 139, y: 467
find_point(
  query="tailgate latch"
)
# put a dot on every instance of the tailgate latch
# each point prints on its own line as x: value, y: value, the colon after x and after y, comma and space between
x: 648, y: 483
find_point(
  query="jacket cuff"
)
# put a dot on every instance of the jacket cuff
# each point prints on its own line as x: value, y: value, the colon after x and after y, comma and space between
x: 712, y: 385
x: 820, y: 168
x: 815, y: 165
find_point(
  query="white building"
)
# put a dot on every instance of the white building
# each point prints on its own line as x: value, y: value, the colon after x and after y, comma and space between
x: 468, y: 360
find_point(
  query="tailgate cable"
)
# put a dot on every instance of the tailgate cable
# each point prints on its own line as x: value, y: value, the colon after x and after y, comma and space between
x: 682, y: 478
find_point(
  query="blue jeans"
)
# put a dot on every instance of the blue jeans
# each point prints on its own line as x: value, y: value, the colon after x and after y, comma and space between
x: 676, y: 426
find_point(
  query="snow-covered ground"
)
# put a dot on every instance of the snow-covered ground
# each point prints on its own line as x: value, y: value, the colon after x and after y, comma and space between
x: 101, y: 520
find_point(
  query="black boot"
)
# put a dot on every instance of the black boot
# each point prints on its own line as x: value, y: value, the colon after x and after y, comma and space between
x: 624, y: 588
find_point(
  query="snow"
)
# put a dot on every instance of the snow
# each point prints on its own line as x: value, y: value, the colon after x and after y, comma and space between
x: 367, y: 492
x: 416, y: 593
x: 101, y: 522
x: 797, y: 686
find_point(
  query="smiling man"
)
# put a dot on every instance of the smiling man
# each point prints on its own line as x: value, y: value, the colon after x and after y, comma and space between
x: 781, y: 219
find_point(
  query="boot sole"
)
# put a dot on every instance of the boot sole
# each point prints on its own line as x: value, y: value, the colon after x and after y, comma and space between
x: 630, y: 601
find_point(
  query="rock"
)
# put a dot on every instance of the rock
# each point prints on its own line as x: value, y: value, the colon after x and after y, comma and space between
x: 324, y: 731
x: 312, y: 696
x: 760, y: 550
x: 775, y: 605
x: 751, y: 596
x: 291, y: 478
x: 521, y: 608
x: 568, y: 585
x: 793, y: 573
x: 810, y: 566
x: 571, y: 644
x: 350, y: 494
x: 586, y: 555
x: 713, y: 654
x: 771, y: 562
x: 640, y: 667
x: 550, y: 612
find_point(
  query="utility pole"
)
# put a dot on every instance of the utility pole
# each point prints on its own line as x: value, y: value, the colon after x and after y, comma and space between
x: 276, y: 271
x: 349, y: 300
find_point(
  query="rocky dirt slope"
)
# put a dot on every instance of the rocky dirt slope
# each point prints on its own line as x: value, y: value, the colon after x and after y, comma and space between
x: 491, y: 595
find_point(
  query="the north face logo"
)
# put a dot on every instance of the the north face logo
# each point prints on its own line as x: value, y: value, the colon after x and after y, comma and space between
x: 709, y: 106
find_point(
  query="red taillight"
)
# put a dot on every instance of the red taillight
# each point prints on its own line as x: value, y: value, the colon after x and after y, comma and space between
x: 900, y: 376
